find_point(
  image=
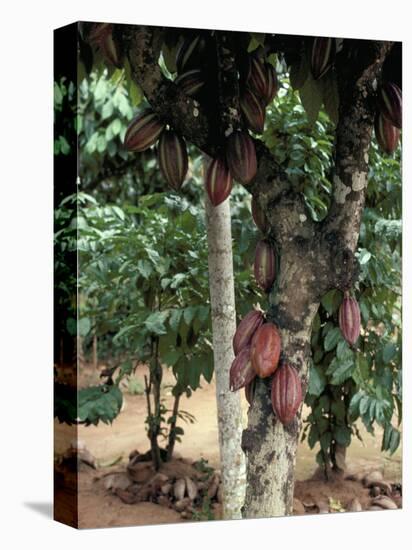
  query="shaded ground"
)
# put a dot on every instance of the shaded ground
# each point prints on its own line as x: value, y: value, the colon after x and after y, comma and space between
x: 98, y: 508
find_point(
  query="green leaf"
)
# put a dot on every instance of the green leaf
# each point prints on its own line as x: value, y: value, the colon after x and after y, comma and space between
x: 340, y: 371
x: 99, y: 403
x: 325, y: 441
x: 317, y: 381
x: 389, y: 352
x: 331, y: 301
x: 311, y: 97
x: 342, y: 435
x: 330, y: 95
x: 299, y: 73
x: 155, y: 323
x: 84, y: 326
x: 332, y: 338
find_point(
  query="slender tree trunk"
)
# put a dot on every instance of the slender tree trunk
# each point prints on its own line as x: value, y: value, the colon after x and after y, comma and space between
x: 95, y: 357
x: 172, y: 433
x: 222, y: 299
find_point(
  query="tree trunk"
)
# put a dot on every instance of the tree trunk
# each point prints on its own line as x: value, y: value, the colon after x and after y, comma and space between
x: 222, y: 299
x: 95, y: 357
x: 270, y: 447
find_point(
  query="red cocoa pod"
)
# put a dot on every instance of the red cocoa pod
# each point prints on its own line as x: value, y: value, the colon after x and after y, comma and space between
x: 253, y: 111
x: 241, y: 371
x: 265, y: 265
x: 349, y: 319
x: 257, y: 80
x: 386, y: 134
x: 110, y: 51
x: 323, y: 56
x: 241, y: 156
x: 286, y: 393
x: 259, y: 217
x: 173, y: 158
x: 98, y: 31
x: 390, y: 103
x: 189, y: 55
x: 143, y: 131
x: 250, y: 391
x: 246, y: 329
x: 218, y: 181
x: 272, y: 84
x: 190, y: 82
x: 265, y: 350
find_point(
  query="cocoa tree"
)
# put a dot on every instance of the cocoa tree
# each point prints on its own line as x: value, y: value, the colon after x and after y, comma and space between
x: 312, y: 256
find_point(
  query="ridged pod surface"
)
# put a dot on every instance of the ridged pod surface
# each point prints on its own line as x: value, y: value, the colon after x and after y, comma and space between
x: 246, y: 329
x: 323, y: 55
x: 257, y: 80
x: 272, y: 84
x: 189, y: 55
x: 387, y: 135
x: 286, y: 393
x: 265, y: 265
x: 241, y: 371
x: 390, y: 103
x: 349, y: 319
x: 110, y: 50
x: 265, y: 350
x: 218, y: 181
x: 190, y: 82
x: 259, y: 217
x: 241, y: 156
x: 253, y: 111
x: 143, y: 131
x: 173, y: 158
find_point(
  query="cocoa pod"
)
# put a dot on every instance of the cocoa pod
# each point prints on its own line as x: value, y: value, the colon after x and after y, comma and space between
x: 190, y: 82
x: 241, y: 371
x: 387, y: 135
x: 272, y: 84
x: 98, y: 31
x: 250, y: 391
x: 253, y: 111
x: 259, y: 217
x: 110, y: 51
x: 173, y: 158
x: 257, y: 80
x: 189, y: 55
x: 265, y: 265
x: 265, y: 350
x: 390, y: 103
x: 286, y: 393
x: 241, y: 156
x: 218, y: 181
x: 246, y: 329
x: 143, y: 131
x: 349, y: 319
x: 323, y: 56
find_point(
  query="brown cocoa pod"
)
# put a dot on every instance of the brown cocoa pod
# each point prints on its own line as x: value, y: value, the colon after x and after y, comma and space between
x: 98, y: 31
x: 110, y: 50
x: 387, y: 135
x: 259, y: 217
x: 218, y: 181
x: 253, y: 111
x: 250, y: 391
x: 349, y: 319
x: 173, y: 158
x: 190, y: 82
x: 257, y: 79
x: 272, y: 84
x: 190, y: 53
x: 265, y: 265
x: 143, y: 131
x: 241, y: 156
x: 241, y: 371
x: 390, y: 103
x: 265, y: 350
x: 323, y: 56
x: 246, y: 329
x: 286, y: 393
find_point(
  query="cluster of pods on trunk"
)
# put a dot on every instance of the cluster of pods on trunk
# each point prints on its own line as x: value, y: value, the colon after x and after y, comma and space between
x: 257, y: 346
x: 388, y: 119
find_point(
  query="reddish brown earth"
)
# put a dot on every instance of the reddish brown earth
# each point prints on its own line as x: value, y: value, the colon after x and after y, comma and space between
x: 109, y: 443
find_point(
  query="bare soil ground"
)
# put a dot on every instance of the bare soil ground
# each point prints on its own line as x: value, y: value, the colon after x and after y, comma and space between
x: 110, y: 443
